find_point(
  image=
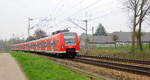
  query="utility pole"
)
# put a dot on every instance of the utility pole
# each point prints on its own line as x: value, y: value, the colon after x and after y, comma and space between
x: 85, y: 29
x: 87, y: 40
x: 86, y: 26
x: 29, y: 19
x: 13, y: 38
x: 92, y: 33
x: 28, y: 27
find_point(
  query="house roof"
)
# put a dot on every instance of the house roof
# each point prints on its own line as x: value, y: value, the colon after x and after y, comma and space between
x: 127, y: 36
x: 122, y: 36
x: 97, y: 39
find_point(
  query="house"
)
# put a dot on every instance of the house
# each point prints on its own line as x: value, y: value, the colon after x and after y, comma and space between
x: 124, y: 38
x: 96, y: 41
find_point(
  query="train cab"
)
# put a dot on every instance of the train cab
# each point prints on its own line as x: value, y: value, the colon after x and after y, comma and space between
x: 71, y: 42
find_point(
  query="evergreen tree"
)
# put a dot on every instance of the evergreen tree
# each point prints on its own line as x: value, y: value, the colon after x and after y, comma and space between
x: 30, y: 38
x: 39, y: 33
x: 100, y: 31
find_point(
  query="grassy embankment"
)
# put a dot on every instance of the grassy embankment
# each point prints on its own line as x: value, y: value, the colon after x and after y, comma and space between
x: 40, y: 68
x: 2, y: 51
x: 121, y: 52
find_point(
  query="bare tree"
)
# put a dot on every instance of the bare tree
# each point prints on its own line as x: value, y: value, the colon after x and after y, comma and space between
x: 143, y: 8
x: 115, y: 38
x: 138, y: 10
x: 132, y: 5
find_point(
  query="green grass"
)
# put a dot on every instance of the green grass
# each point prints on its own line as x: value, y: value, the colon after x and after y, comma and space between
x: 3, y: 51
x: 40, y: 68
x: 120, y: 52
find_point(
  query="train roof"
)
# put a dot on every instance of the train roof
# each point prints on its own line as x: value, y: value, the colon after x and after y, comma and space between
x: 31, y: 41
x: 45, y: 38
x: 59, y: 31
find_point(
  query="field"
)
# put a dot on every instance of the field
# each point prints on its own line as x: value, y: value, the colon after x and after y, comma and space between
x: 40, y: 68
x: 120, y: 52
x: 2, y: 51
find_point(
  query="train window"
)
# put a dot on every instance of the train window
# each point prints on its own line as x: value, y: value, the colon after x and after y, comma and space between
x: 40, y: 45
x: 69, y: 33
x: 48, y: 44
x: 37, y: 45
x: 45, y: 44
x: 52, y: 43
x: 34, y: 45
x: 55, y: 43
x: 69, y: 38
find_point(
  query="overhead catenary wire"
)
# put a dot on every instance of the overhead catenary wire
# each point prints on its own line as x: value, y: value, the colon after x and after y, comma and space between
x: 60, y: 11
x: 108, y: 10
x: 57, y: 9
x: 85, y: 8
x: 81, y: 9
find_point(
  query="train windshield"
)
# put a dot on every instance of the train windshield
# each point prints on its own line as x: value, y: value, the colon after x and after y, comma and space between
x: 69, y: 38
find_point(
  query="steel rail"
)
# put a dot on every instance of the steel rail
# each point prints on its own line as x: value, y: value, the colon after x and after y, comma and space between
x: 118, y: 59
x: 122, y: 67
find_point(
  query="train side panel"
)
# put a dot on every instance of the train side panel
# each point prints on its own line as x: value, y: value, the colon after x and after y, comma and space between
x: 61, y: 43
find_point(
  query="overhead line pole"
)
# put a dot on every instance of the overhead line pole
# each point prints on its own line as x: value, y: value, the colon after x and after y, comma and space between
x: 86, y: 26
x: 86, y: 29
x: 28, y: 27
x: 92, y: 33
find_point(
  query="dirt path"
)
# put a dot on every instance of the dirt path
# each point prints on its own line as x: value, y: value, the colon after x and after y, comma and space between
x: 9, y: 69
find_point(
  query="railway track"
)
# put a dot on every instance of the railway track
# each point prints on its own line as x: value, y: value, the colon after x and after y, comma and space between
x: 122, y: 67
x: 117, y: 59
x: 94, y: 60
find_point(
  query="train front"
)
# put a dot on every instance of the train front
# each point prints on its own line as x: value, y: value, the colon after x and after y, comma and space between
x: 71, y: 43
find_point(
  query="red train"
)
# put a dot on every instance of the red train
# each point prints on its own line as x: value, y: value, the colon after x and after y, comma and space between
x: 60, y: 43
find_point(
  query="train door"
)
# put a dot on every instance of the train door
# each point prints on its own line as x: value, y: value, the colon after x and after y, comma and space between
x: 49, y: 44
x: 55, y: 44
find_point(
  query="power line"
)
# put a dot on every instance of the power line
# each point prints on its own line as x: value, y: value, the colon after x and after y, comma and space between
x: 82, y: 8
x: 97, y: 17
x: 72, y: 7
x: 57, y: 6
x: 103, y: 12
x: 86, y: 7
x: 70, y: 20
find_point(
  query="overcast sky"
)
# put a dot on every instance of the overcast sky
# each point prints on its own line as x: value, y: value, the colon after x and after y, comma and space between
x: 52, y: 15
